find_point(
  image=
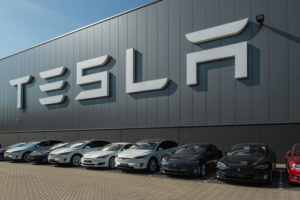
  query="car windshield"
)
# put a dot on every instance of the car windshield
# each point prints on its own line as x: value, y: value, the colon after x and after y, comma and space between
x: 144, y: 146
x: 197, y: 148
x: 77, y: 145
x: 297, y: 150
x: 15, y: 145
x: 30, y: 144
x: 60, y: 145
x: 248, y: 150
x: 112, y: 147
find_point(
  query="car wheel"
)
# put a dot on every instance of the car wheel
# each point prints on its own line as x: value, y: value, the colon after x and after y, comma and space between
x: 25, y: 157
x: 112, y: 163
x: 203, y: 169
x: 152, y: 165
x: 75, y: 160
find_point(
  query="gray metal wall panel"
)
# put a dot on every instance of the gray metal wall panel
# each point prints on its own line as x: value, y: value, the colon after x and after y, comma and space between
x: 186, y: 95
x: 199, y: 91
x: 151, y: 66
x: 228, y: 84
x: 174, y: 62
x: 132, y: 42
x: 294, y: 49
x: 213, y: 69
x: 141, y: 63
x: 269, y: 95
x: 279, y: 100
x: 163, y: 62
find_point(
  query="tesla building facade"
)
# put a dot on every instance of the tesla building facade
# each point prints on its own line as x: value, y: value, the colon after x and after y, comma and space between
x: 188, y: 70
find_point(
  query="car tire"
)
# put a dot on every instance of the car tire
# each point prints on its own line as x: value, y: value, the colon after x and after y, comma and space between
x: 75, y: 160
x: 152, y: 165
x: 111, y: 163
x: 25, y: 157
x: 203, y: 170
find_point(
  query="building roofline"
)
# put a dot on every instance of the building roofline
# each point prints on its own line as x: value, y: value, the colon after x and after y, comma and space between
x: 84, y: 27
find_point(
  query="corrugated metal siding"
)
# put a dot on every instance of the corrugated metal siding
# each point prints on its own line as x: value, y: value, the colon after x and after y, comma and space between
x: 270, y: 94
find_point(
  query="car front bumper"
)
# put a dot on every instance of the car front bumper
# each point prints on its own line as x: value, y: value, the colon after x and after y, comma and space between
x: 13, y: 156
x: 59, y: 159
x: 180, y: 170
x: 294, y: 175
x: 128, y: 163
x: 39, y: 158
x: 249, y: 175
x: 94, y: 162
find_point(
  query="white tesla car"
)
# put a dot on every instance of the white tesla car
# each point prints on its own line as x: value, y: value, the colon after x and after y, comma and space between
x: 145, y: 154
x: 22, y: 153
x: 72, y: 153
x: 104, y: 157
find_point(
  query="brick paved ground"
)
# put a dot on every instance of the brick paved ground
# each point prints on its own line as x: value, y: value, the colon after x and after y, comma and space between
x: 27, y: 181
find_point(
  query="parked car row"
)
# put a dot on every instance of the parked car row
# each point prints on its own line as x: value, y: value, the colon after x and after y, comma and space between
x: 253, y: 162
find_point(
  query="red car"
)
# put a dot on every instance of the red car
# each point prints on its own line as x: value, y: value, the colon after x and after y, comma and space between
x: 292, y: 159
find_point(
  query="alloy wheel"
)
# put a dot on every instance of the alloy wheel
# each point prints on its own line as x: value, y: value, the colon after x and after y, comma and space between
x: 112, y: 162
x: 76, y: 160
x: 152, y: 165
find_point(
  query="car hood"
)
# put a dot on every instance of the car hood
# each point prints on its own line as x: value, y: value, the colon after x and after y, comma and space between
x: 296, y: 160
x: 183, y: 158
x: 243, y: 161
x: 95, y: 154
x: 17, y: 149
x: 64, y: 150
x: 132, y: 153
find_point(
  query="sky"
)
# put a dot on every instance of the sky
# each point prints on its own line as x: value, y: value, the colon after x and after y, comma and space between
x: 25, y: 23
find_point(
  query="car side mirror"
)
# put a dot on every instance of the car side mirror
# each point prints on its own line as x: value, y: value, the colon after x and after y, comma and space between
x: 37, y: 146
x: 87, y: 147
x: 160, y: 149
x: 288, y: 154
x: 225, y: 153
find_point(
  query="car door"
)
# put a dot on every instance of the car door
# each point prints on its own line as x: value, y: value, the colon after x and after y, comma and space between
x: 165, y: 148
x: 42, y: 145
x: 210, y: 157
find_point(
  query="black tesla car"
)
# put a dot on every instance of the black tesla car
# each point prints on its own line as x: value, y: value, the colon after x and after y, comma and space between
x: 9, y: 147
x: 191, y: 159
x: 248, y: 162
x: 41, y: 156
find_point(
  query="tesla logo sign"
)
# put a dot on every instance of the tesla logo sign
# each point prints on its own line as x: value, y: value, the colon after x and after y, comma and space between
x: 237, y: 51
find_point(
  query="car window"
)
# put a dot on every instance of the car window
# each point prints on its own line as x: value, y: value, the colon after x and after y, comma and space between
x: 167, y: 145
x: 54, y: 142
x: 127, y: 146
x: 96, y: 144
x: 297, y: 150
x: 44, y: 144
x: 248, y: 150
x: 144, y: 146
x: 112, y: 147
x: 195, y: 148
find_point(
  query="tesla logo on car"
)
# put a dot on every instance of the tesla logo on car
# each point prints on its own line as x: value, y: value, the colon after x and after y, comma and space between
x: 237, y: 51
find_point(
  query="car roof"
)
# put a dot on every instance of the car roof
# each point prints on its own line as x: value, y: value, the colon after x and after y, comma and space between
x: 252, y: 144
x: 89, y: 140
x: 153, y: 140
x: 192, y: 144
x: 122, y: 143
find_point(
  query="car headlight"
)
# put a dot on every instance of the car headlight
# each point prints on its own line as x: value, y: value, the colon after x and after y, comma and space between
x: 140, y: 157
x: 17, y: 152
x: 102, y: 156
x: 262, y: 166
x: 221, y: 165
x: 295, y: 166
x: 163, y: 161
